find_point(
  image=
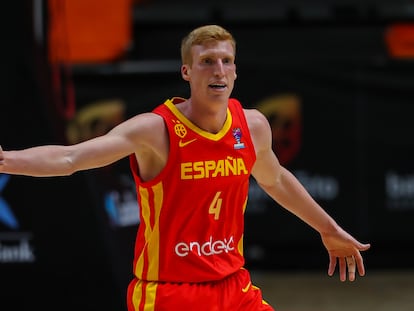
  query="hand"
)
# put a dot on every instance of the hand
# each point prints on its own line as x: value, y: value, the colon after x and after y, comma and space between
x: 346, y: 251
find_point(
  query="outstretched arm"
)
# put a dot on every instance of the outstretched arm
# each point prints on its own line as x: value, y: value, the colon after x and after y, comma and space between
x: 60, y: 160
x: 132, y: 136
x: 286, y: 190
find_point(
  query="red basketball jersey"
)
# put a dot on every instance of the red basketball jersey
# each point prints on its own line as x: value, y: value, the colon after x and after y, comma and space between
x: 192, y: 213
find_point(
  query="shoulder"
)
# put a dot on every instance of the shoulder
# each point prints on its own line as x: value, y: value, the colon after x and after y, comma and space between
x: 147, y: 121
x: 259, y: 128
x: 256, y: 120
x: 142, y: 129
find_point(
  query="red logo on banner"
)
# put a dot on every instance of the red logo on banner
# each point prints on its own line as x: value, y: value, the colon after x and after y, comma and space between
x: 285, y: 117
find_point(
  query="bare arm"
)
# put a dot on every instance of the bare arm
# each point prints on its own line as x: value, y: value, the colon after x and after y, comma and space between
x: 60, y: 160
x: 286, y: 190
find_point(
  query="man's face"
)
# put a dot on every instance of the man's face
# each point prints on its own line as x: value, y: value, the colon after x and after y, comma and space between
x: 213, y: 71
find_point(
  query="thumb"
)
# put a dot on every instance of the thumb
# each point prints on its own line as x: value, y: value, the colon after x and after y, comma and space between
x: 363, y: 246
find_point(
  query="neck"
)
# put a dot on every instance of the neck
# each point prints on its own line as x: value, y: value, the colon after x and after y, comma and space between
x: 208, y: 117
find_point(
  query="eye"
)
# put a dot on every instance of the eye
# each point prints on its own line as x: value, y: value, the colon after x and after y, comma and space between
x: 228, y: 60
x: 207, y: 61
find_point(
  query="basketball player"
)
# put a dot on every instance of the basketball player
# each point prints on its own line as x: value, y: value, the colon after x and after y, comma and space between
x: 191, y: 160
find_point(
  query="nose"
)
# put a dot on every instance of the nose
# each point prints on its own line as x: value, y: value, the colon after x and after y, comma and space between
x: 219, y: 69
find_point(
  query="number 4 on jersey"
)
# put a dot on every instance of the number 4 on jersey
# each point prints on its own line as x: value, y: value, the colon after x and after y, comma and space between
x: 215, y: 206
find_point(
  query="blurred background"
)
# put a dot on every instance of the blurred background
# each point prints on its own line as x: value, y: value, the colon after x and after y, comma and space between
x: 334, y: 77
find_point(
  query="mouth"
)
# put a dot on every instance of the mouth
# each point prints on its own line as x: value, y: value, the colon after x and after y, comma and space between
x: 218, y: 86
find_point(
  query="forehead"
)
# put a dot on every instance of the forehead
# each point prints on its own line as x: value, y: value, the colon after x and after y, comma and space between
x: 213, y: 48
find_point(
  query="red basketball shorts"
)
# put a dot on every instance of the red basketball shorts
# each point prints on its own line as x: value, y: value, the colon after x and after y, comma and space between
x: 234, y: 293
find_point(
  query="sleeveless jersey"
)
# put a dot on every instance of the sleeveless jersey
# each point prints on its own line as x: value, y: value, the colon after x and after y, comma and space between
x: 192, y: 213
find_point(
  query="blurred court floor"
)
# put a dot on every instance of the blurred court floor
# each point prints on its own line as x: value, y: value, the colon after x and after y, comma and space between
x: 315, y: 291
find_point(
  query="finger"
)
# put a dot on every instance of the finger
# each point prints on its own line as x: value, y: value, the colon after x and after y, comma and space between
x: 360, y: 264
x: 342, y: 269
x: 350, y: 261
x: 332, y: 265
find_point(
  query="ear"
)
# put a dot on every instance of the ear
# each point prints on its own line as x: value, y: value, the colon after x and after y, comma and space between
x: 185, y: 72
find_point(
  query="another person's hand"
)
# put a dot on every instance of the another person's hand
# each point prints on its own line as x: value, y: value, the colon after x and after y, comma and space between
x: 344, y: 250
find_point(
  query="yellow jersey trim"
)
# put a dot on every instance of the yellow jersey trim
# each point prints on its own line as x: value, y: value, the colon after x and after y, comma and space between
x: 195, y: 128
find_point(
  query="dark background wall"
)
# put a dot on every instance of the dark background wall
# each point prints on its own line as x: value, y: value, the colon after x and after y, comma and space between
x: 69, y: 241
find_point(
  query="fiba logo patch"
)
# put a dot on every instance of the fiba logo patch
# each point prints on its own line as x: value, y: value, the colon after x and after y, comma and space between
x: 7, y: 217
x: 237, y: 134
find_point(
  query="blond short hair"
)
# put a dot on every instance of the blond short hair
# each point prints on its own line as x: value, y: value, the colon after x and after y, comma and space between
x: 201, y: 35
